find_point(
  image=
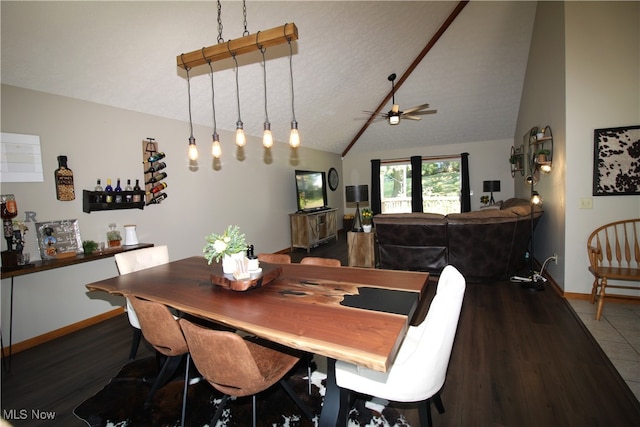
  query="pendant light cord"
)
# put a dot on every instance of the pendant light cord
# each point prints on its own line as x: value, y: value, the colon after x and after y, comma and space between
x: 213, y: 100
x: 188, y: 93
x: 264, y: 73
x: 293, y: 110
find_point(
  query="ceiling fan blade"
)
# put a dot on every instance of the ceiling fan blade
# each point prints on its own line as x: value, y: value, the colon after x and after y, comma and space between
x: 424, y: 112
x: 419, y: 107
x: 411, y: 118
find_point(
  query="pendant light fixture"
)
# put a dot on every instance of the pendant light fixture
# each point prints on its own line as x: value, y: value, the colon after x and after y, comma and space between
x: 193, y: 150
x: 267, y: 137
x: 216, y: 149
x: 294, y: 136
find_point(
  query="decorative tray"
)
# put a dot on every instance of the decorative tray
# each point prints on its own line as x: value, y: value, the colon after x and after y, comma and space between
x: 264, y: 276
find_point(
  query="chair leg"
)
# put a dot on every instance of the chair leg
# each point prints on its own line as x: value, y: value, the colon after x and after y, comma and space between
x: 305, y: 409
x: 184, y: 392
x: 424, y: 413
x: 135, y: 342
x: 218, y: 413
x: 437, y: 400
x: 253, y: 398
x: 167, y: 371
x: 309, y: 358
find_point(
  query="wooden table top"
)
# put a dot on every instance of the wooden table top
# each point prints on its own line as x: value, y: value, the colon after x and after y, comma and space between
x: 311, y: 308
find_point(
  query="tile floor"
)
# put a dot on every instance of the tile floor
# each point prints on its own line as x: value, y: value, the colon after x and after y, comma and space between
x: 618, y: 333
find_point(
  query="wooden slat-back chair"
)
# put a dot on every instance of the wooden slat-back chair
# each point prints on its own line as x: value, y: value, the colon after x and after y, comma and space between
x: 614, y: 254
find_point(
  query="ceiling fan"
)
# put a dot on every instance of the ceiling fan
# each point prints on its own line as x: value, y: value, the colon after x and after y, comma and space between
x: 394, y: 115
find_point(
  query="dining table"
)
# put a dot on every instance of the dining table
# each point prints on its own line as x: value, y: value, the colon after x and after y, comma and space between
x: 358, y: 315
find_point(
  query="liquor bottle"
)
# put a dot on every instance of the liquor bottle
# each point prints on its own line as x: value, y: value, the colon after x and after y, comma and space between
x: 137, y: 197
x: 109, y: 190
x: 157, y: 199
x: 128, y: 197
x: 118, y: 191
x: 99, y: 190
x: 157, y: 188
x: 155, y: 167
x: 156, y: 178
x: 64, y: 181
x: 155, y: 158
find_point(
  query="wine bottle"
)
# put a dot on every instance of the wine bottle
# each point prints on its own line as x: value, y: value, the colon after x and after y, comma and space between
x: 118, y: 191
x: 99, y: 196
x: 157, y: 199
x: 109, y: 190
x: 64, y: 181
x: 137, y: 197
x: 128, y: 197
x: 155, y: 167
x: 157, y: 188
x: 155, y: 158
x: 156, y: 178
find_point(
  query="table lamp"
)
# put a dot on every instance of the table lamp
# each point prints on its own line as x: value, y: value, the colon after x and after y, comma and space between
x: 490, y: 187
x: 357, y: 194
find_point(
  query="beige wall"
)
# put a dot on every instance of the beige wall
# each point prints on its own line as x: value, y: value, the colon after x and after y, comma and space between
x: 602, y: 66
x: 582, y: 75
x: 543, y: 104
x: 256, y: 193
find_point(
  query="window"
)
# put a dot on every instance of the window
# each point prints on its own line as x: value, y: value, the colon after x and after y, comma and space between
x: 441, y: 182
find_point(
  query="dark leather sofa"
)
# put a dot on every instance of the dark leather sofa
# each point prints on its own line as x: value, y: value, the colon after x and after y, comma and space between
x: 489, y: 244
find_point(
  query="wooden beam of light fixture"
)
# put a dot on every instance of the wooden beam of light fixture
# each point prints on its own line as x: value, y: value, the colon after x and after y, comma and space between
x: 246, y: 44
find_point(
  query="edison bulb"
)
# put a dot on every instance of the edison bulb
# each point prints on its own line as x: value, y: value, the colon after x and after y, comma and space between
x: 193, y: 150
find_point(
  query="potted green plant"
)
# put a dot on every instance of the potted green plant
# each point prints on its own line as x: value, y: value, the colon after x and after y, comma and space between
x: 230, y: 245
x: 541, y: 155
x: 89, y: 246
x: 367, y: 217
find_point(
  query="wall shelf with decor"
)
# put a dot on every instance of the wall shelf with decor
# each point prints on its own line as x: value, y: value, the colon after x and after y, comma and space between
x: 516, y: 159
x: 541, y: 148
x: 154, y: 172
x: 91, y: 201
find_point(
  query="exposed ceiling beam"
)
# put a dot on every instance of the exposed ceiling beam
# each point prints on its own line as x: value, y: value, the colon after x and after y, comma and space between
x: 454, y: 14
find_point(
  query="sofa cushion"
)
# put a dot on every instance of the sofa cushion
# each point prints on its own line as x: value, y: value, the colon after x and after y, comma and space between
x: 482, y: 216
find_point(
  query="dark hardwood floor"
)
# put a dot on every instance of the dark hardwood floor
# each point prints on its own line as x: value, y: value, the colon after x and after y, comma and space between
x: 520, y: 358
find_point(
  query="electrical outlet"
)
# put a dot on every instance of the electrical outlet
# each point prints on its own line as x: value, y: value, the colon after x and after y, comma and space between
x: 586, y: 203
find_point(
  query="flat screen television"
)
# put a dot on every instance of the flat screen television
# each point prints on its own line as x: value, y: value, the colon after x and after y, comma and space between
x: 311, y: 190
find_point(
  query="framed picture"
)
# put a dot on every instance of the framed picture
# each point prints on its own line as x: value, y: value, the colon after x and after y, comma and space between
x: 59, y: 239
x: 616, y: 164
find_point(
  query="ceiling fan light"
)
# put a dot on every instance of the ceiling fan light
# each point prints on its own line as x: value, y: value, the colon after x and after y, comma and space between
x: 394, y: 120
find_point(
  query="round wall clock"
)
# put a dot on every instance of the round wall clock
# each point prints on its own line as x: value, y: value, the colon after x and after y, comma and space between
x: 333, y: 179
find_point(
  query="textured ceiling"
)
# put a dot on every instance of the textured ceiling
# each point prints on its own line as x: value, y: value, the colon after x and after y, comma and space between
x: 123, y: 54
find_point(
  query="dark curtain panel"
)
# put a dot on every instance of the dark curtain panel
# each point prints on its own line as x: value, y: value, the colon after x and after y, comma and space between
x: 375, y: 202
x: 465, y: 200
x: 416, y: 183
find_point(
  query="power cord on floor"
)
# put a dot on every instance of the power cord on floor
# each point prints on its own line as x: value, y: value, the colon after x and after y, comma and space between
x: 536, y: 276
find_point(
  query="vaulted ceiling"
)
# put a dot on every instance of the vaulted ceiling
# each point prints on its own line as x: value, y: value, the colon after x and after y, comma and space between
x: 123, y: 54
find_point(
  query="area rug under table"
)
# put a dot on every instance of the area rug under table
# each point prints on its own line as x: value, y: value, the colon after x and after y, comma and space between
x: 120, y: 403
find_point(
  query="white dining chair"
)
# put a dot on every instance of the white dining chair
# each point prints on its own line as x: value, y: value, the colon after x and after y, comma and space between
x: 131, y: 261
x: 419, y: 370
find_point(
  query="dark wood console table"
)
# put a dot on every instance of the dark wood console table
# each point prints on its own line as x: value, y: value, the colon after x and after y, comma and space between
x: 49, y: 264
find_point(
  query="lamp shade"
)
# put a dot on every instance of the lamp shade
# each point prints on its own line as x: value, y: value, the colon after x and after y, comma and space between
x: 490, y: 186
x: 357, y: 193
